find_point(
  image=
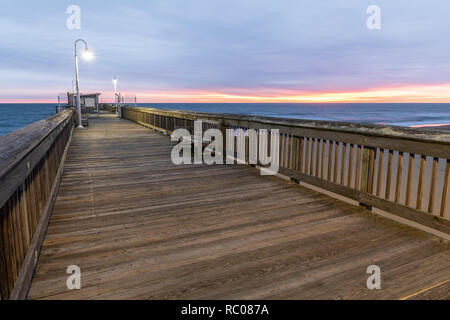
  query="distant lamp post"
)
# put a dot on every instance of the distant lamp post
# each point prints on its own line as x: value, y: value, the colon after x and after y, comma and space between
x: 114, y: 80
x: 87, y: 55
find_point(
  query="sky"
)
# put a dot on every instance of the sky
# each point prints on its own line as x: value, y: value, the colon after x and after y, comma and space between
x: 229, y: 51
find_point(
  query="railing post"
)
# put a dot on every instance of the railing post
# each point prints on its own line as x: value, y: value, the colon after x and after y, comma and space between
x: 367, y: 172
x: 297, y: 162
x: 222, y: 127
x: 446, y: 183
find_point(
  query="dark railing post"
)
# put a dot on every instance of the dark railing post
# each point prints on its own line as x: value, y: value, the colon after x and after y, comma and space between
x: 223, y: 129
x: 367, y: 172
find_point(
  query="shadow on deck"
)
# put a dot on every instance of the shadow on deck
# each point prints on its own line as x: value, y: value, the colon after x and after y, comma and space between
x: 140, y: 227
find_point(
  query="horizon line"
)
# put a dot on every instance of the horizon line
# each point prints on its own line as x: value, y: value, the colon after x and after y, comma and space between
x: 439, y: 93
x: 228, y: 102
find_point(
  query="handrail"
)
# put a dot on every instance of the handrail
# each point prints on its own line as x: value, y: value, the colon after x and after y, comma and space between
x: 30, y: 168
x: 396, y: 169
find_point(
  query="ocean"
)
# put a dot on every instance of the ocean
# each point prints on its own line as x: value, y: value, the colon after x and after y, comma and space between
x: 14, y: 116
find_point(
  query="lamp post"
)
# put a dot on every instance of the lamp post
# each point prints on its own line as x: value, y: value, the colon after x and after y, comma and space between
x: 114, y: 80
x: 86, y: 55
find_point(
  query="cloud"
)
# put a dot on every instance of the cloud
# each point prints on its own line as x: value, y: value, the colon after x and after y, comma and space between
x: 225, y: 46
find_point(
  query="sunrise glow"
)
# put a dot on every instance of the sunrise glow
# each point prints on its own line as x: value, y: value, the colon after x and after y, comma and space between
x: 401, y: 94
x: 404, y: 94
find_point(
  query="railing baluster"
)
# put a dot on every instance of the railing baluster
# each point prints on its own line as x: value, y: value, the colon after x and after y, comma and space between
x: 367, y: 169
x: 285, y: 151
x: 399, y: 177
x: 420, y: 184
x: 336, y: 164
x: 311, y: 156
x: 358, y: 167
x: 297, y: 154
x: 350, y: 166
x: 371, y: 170
x: 387, y: 194
x: 343, y: 163
x: 302, y: 154
x: 364, y: 169
x: 409, y: 179
x: 380, y: 170
x: 317, y: 164
x: 306, y: 155
x: 289, y: 151
x: 445, y: 187
x: 322, y: 171
x: 282, y: 147
x: 432, y: 185
x: 4, y: 255
x: 330, y: 152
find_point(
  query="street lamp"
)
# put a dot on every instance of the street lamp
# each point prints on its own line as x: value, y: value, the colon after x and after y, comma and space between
x: 87, y: 55
x: 114, y: 80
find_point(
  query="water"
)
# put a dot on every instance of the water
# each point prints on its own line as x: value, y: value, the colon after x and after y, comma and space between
x: 399, y: 114
x: 16, y: 116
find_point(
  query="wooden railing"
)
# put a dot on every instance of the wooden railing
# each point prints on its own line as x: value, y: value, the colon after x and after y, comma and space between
x: 400, y: 170
x: 107, y: 107
x: 31, y: 165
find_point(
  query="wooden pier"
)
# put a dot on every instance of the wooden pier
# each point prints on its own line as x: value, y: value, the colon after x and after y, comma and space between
x: 140, y: 227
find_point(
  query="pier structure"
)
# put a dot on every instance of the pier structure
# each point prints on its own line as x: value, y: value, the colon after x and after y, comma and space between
x: 108, y: 200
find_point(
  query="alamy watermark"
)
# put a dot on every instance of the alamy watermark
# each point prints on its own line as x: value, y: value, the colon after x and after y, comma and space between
x: 374, y: 20
x: 374, y: 281
x: 74, y: 280
x: 74, y: 20
x: 259, y: 149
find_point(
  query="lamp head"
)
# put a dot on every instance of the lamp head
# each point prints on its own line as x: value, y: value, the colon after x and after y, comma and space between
x: 114, y: 80
x: 87, y: 54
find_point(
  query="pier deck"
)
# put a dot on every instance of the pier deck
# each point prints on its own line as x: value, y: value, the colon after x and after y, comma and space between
x: 140, y: 227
